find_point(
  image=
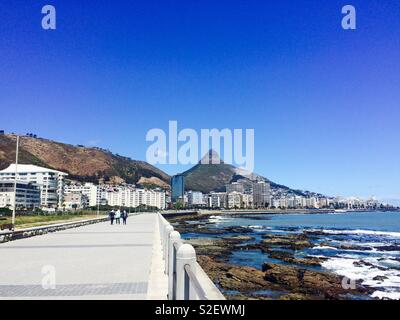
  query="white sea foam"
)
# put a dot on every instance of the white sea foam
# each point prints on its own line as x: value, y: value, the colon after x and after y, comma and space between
x: 217, y: 219
x: 324, y: 248
x: 344, y: 266
x: 386, y: 295
x: 363, y: 232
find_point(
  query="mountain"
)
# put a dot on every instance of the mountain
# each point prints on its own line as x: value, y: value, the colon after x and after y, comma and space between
x: 212, y: 174
x: 81, y: 163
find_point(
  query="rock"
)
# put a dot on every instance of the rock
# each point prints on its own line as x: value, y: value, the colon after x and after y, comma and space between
x: 294, y: 242
x: 298, y: 296
x: 298, y: 280
x: 233, y: 277
x: 238, y: 230
x: 217, y: 248
x: 290, y: 258
x: 352, y: 247
x: 314, y: 232
x: 363, y: 263
x: 238, y: 238
x: 389, y: 248
x: 380, y: 278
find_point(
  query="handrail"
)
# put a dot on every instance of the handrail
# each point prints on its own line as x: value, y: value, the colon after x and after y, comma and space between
x: 196, y: 283
x: 186, y: 279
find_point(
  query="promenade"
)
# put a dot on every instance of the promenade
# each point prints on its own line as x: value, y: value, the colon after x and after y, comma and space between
x: 98, y: 261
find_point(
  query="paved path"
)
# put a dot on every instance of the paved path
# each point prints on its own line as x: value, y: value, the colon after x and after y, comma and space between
x: 97, y: 261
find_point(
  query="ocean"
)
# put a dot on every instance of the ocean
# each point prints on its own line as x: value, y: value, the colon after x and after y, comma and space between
x: 362, y: 246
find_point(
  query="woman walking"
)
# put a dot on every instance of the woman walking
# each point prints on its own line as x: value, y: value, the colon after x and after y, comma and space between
x: 118, y: 217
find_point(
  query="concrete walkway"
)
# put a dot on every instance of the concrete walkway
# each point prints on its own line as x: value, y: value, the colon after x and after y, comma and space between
x: 97, y: 261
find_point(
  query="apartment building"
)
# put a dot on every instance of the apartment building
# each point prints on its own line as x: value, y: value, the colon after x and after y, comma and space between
x: 50, y: 182
x: 90, y: 190
x: 261, y: 194
x: 27, y: 195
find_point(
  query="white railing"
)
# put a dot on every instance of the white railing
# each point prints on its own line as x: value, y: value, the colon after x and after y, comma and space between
x: 186, y: 278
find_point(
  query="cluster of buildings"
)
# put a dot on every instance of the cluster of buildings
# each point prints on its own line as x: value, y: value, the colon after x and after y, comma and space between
x: 90, y: 195
x: 258, y: 194
x: 237, y: 195
x: 48, y: 189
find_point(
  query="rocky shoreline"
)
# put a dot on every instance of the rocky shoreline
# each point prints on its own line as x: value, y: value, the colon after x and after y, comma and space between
x: 293, y: 278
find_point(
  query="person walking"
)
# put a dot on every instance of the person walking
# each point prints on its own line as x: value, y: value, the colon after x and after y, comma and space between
x: 124, y: 216
x: 118, y: 217
x: 112, y: 216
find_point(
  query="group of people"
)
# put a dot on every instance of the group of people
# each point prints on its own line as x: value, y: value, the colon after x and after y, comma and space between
x: 117, y: 215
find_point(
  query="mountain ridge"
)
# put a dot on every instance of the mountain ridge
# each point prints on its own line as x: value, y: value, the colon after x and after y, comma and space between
x: 97, y: 165
x: 86, y: 164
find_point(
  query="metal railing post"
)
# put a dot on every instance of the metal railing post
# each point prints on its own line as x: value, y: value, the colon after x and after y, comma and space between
x: 168, y: 230
x: 186, y: 255
x: 174, y: 238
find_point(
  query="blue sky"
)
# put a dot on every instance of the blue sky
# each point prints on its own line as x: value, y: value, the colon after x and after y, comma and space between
x: 324, y: 102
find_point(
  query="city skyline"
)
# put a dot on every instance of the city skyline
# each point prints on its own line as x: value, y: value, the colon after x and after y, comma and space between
x: 323, y: 101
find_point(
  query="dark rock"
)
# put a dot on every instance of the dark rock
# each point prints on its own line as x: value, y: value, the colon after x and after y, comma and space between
x: 352, y: 247
x: 290, y: 258
x: 388, y: 248
x: 294, y: 242
x: 298, y: 280
x: 380, y: 278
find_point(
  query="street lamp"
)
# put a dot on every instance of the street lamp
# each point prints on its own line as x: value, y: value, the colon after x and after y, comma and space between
x: 15, y: 183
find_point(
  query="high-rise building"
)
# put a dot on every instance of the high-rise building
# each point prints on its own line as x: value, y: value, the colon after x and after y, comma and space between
x: 261, y: 194
x: 195, y: 198
x: 27, y: 195
x: 217, y: 199
x: 51, y: 182
x: 178, y: 187
x: 130, y: 196
x: 235, y: 187
x: 90, y: 190
x: 234, y: 200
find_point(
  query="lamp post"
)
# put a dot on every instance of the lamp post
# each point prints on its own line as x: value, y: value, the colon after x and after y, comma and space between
x: 15, y: 183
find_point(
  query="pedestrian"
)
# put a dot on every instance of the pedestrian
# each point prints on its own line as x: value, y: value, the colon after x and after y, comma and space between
x: 124, y: 216
x: 118, y: 217
x: 112, y: 216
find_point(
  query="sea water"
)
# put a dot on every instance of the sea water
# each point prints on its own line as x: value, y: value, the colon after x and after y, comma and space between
x: 371, y: 242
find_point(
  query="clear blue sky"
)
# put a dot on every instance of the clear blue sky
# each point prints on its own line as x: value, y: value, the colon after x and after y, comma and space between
x: 324, y: 102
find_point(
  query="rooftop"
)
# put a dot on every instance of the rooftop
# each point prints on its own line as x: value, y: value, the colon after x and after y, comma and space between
x: 29, y: 168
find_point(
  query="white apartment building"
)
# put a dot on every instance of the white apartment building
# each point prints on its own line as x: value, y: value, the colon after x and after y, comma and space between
x: 217, y: 199
x: 235, y: 186
x: 247, y: 200
x: 130, y: 196
x: 50, y: 182
x: 27, y: 195
x: 234, y: 200
x: 75, y: 200
x: 195, y: 198
x: 90, y: 190
x: 312, y: 202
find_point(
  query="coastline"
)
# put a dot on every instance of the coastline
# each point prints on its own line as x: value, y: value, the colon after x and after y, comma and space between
x: 204, y: 212
x: 282, y: 271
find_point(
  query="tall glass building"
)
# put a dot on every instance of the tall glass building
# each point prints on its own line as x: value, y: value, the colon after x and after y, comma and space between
x: 178, y: 187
